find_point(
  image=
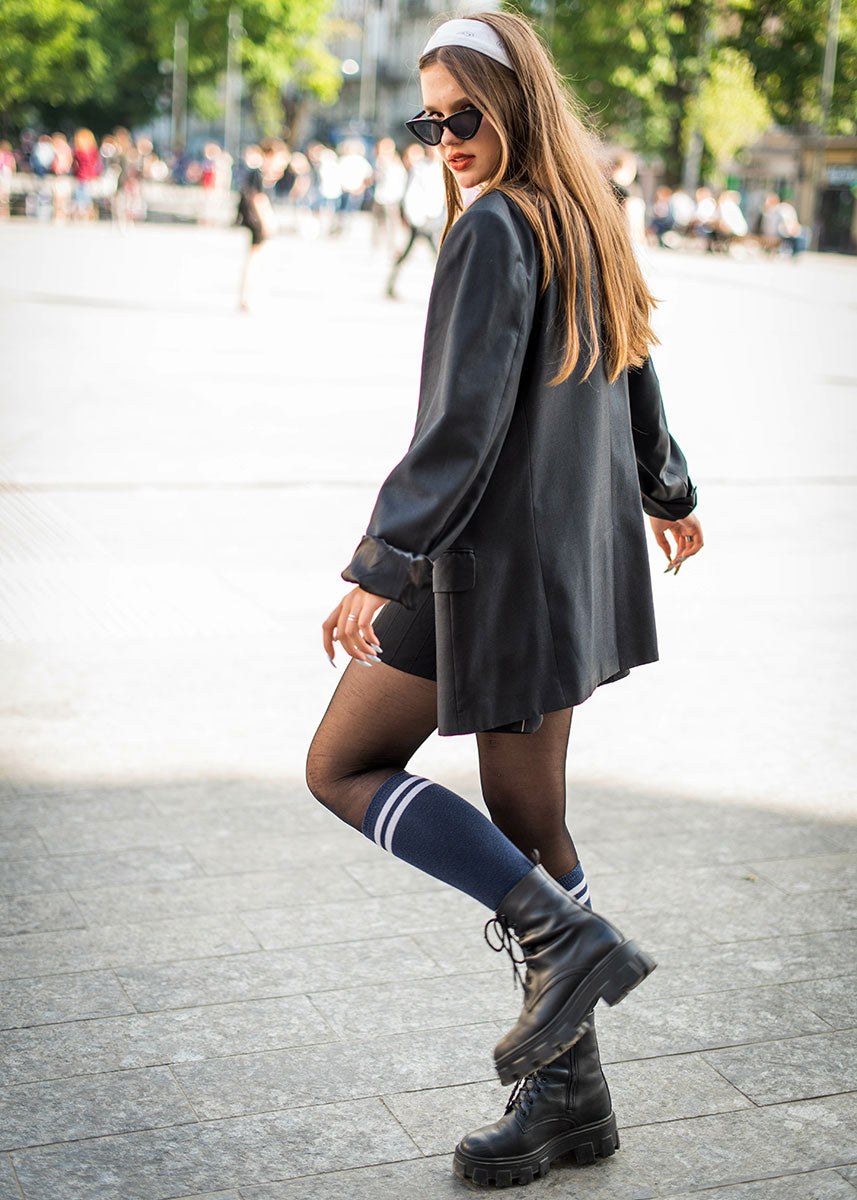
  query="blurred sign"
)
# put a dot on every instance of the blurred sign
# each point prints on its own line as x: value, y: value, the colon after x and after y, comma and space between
x: 842, y: 176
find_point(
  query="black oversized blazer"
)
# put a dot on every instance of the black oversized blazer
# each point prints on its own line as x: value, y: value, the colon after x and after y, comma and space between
x: 519, y: 503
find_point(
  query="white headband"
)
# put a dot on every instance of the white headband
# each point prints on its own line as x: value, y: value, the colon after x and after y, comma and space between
x: 465, y: 31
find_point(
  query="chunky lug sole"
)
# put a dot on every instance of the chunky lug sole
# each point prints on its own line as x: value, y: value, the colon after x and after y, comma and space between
x: 618, y: 973
x: 599, y: 1140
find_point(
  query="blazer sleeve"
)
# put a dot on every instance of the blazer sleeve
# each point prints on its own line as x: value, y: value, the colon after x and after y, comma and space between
x: 666, y: 487
x: 479, y: 319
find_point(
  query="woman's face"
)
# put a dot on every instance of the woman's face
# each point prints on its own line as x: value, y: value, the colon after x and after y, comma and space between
x: 473, y: 161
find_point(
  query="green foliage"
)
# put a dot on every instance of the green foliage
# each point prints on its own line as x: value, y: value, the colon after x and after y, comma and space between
x: 729, y: 110
x: 49, y: 52
x: 639, y: 64
x: 101, y: 61
x: 785, y: 40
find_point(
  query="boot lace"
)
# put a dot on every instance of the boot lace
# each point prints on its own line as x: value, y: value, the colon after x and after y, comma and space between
x: 505, y: 940
x: 524, y: 1092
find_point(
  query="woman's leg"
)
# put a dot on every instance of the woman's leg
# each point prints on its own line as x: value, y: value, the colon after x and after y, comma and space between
x: 523, y: 784
x: 377, y: 719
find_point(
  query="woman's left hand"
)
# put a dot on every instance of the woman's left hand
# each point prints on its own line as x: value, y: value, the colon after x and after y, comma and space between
x: 687, y: 534
x: 350, y: 624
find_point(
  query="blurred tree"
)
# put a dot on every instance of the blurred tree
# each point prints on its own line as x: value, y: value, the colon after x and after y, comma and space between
x: 785, y: 40
x: 639, y: 64
x: 728, y: 110
x: 105, y: 62
x: 50, y: 53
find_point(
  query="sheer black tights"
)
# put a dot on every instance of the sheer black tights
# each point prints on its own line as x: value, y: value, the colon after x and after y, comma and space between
x: 379, y: 717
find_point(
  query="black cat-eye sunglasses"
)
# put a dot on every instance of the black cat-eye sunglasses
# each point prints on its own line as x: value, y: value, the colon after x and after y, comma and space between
x: 462, y: 125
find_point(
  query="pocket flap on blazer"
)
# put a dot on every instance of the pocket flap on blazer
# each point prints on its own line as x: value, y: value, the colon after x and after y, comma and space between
x: 454, y: 571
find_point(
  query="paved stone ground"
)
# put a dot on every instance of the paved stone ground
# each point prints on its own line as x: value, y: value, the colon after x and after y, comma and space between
x: 209, y: 986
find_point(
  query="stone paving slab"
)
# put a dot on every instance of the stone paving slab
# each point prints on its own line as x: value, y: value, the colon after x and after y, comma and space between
x: 123, y: 945
x: 729, y: 903
x: 360, y: 920
x: 641, y: 1028
x: 90, y: 870
x: 131, y: 833
x: 181, y: 1035
x: 9, y: 1189
x: 20, y: 841
x: 791, y: 1069
x: 347, y: 1070
x: 754, y: 963
x: 817, y: 1185
x: 196, y: 1158
x: 268, y: 973
x: 432, y: 1179
x: 747, y: 839
x: 39, y: 914
x: 77, y: 806
x: 67, y: 1110
x: 834, y: 1000
x: 279, y: 852
x: 849, y: 1173
x: 391, y: 877
x: 809, y: 875
x: 50, y: 999
x: 424, y: 1004
x: 757, y: 1143
x: 137, y: 902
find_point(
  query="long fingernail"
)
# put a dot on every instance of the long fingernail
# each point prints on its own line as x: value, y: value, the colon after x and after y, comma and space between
x: 332, y: 663
x: 363, y: 663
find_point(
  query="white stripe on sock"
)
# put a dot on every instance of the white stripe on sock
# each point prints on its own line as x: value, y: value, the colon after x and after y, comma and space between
x: 388, y: 804
x: 582, y: 899
x: 403, y: 804
x: 580, y: 887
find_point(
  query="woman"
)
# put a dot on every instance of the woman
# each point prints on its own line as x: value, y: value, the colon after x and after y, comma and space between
x: 507, y: 551
x: 86, y: 167
x: 255, y: 214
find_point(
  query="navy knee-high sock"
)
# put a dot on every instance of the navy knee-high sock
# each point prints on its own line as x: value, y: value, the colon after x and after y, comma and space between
x: 575, y: 884
x: 439, y: 832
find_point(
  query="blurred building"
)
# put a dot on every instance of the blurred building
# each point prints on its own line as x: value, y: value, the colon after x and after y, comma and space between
x: 786, y: 163
x: 378, y: 43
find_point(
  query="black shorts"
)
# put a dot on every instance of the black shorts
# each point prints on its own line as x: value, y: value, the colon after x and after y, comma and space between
x: 407, y: 638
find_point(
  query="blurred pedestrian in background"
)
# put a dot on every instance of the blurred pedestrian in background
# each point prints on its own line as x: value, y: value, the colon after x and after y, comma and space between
x: 216, y: 181
x: 504, y: 574
x: 779, y: 225
x: 127, y: 201
x: 422, y: 205
x: 8, y: 168
x: 86, y: 168
x: 389, y: 178
x: 355, y: 175
x: 325, y: 191
x: 257, y: 216
x: 728, y: 224
x: 61, y: 170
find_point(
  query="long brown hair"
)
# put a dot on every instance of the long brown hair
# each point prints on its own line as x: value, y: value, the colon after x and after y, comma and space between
x: 549, y: 167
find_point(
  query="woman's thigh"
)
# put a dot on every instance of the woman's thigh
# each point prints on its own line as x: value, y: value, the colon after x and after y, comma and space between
x: 377, y: 719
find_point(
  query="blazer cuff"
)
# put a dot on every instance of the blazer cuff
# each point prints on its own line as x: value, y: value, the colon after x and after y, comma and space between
x: 383, y: 570
x: 671, y: 508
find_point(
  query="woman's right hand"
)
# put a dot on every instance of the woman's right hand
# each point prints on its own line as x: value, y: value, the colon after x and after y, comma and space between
x: 350, y: 624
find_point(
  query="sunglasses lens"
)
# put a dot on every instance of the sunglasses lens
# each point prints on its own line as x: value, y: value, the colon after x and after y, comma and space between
x: 465, y: 124
x: 427, y: 131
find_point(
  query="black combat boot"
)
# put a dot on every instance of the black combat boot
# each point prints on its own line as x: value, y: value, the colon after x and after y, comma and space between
x: 573, y: 959
x: 563, y: 1108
